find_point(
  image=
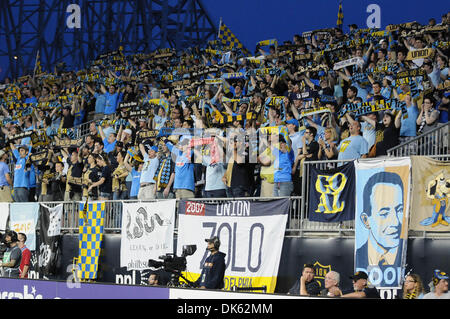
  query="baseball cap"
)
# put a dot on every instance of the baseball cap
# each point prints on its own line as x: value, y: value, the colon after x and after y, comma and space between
x: 212, y: 239
x: 2, y: 152
x: 292, y: 121
x: 440, y: 274
x: 359, y: 275
x: 128, y: 131
x: 447, y: 94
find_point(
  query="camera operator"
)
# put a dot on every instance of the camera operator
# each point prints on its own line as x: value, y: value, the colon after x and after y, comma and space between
x: 213, y: 271
x: 12, y: 256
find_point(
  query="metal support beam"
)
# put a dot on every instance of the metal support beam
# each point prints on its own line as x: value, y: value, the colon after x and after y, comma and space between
x: 139, y: 26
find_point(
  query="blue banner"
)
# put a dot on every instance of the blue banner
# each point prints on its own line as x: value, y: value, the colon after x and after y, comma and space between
x: 23, y: 219
x: 381, y: 219
x: 331, y: 194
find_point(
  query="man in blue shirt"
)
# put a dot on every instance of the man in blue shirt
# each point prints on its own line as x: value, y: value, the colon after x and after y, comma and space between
x: 5, y: 179
x: 284, y: 160
x: 147, y: 182
x: 112, y: 99
x: 21, y: 178
x: 354, y: 146
x: 184, y: 183
x: 109, y: 143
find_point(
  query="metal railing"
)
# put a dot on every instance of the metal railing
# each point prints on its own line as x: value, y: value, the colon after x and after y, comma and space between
x: 434, y: 142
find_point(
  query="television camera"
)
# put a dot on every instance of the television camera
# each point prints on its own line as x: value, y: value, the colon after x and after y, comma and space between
x: 175, y: 265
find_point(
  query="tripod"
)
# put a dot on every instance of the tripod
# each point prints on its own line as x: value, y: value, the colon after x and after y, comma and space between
x: 175, y: 280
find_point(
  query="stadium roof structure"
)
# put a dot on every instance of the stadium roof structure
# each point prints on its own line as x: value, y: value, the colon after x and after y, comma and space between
x: 75, y: 32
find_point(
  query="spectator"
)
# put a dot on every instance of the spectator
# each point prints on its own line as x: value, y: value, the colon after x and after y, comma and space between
x: 5, y: 179
x: 361, y: 289
x: 413, y: 287
x: 12, y: 257
x: 355, y: 146
x: 104, y: 182
x: 428, y: 118
x: 439, y: 288
x: 306, y: 285
x: 21, y: 172
x: 25, y: 262
x: 283, y: 162
x: 147, y: 182
x: 331, y: 287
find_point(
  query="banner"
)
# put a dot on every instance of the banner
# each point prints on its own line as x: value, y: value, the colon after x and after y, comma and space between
x: 251, y: 235
x: 381, y: 219
x: 357, y: 60
x: 50, y: 235
x: 331, y: 194
x: 91, y: 224
x: 147, y: 232
x: 431, y: 192
x: 23, y: 219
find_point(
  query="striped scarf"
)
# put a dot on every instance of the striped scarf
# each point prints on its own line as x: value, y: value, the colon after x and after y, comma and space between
x: 162, y: 174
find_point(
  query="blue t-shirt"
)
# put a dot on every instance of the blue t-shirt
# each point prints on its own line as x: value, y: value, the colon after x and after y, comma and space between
x: 149, y: 169
x: 135, y: 182
x: 184, y: 169
x: 108, y: 147
x: 111, y: 102
x: 4, y: 169
x: 100, y: 101
x: 21, y: 178
x: 353, y: 147
x: 283, y: 165
x: 213, y: 175
x: 408, y: 126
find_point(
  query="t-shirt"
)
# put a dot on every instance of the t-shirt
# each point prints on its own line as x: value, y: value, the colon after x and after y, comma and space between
x: 20, y: 173
x: 283, y: 165
x: 25, y: 261
x: 353, y: 147
x: 4, y: 169
x: 213, y: 175
x: 100, y: 101
x: 409, y: 126
x: 106, y: 187
x: 312, y: 288
x: 149, y: 169
x: 111, y: 101
x: 184, y: 169
x: 432, y: 295
x: 12, y: 253
x: 108, y: 147
x: 135, y: 182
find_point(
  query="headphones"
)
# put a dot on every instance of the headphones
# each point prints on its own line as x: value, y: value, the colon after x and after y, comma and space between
x: 216, y: 242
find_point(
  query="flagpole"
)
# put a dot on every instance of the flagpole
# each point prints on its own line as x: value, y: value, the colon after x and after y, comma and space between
x: 35, y: 63
x: 220, y: 24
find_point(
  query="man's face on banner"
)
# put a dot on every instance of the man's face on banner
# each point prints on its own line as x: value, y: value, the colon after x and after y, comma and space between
x: 385, y: 221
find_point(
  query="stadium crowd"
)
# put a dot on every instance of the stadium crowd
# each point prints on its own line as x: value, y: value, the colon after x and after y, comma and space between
x: 219, y: 122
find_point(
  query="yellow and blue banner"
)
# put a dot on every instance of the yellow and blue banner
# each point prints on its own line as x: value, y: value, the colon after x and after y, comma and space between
x: 332, y: 194
x: 91, y: 225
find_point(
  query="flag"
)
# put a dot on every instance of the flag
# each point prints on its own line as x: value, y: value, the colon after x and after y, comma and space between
x: 228, y: 40
x: 49, y: 237
x: 340, y: 19
x: 430, y: 189
x: 37, y: 65
x: 91, y: 224
x: 381, y: 219
x: 332, y: 194
x: 23, y: 219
